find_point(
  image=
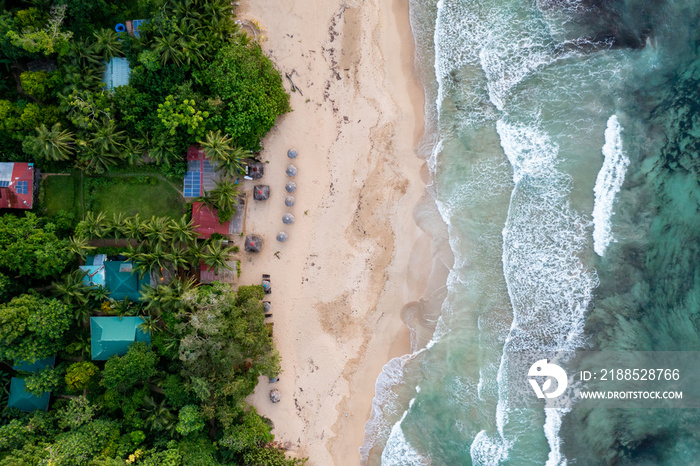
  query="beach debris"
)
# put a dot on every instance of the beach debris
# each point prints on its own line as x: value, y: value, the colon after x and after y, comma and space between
x: 266, y: 284
x: 261, y: 192
x: 289, y: 201
x: 282, y: 236
x: 292, y: 154
x: 288, y: 219
x: 294, y: 86
x: 267, y: 306
x: 291, y: 187
x: 275, y: 396
x: 291, y: 170
x: 253, y: 243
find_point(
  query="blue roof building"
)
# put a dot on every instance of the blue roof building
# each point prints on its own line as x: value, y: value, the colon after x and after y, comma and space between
x: 114, y: 335
x: 118, y: 277
x: 21, y: 399
x: 117, y: 73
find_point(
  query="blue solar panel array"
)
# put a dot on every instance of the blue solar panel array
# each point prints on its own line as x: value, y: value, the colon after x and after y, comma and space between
x: 192, y: 184
x: 22, y: 187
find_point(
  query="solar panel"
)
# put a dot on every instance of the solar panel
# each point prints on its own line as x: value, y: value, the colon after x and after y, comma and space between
x: 192, y: 184
x: 22, y: 187
x: 4, y: 184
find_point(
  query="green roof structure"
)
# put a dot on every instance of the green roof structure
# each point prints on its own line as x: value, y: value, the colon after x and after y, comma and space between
x: 122, y: 282
x: 21, y: 399
x: 35, y: 366
x: 114, y: 335
x: 25, y: 401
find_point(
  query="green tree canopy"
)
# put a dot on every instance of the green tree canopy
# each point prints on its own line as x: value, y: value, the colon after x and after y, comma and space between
x: 251, y: 89
x: 32, y: 327
x: 30, y: 248
x: 136, y: 366
x: 225, y: 346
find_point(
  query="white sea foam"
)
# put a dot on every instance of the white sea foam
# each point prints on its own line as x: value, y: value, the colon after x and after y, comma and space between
x: 398, y: 451
x: 608, y: 184
x: 552, y: 424
x: 549, y: 287
x: 385, y: 404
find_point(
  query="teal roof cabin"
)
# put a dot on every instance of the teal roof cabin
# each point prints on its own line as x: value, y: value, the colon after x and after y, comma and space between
x: 21, y: 399
x: 122, y: 282
x: 117, y: 73
x: 118, y: 277
x: 94, y: 275
x: 114, y: 335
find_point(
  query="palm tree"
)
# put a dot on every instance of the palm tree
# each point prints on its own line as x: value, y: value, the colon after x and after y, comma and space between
x: 54, y: 145
x: 82, y: 54
x: 118, y: 225
x: 163, y: 151
x: 215, y: 256
x: 157, y: 229
x: 95, y: 225
x: 170, y: 49
x: 79, y: 246
x: 133, y: 152
x: 232, y: 165
x: 182, y: 230
x: 158, y: 416
x: 72, y: 290
x: 151, y: 325
x: 106, y: 139
x: 217, y: 146
x: 224, y: 198
x: 80, y: 346
x: 107, y: 44
x: 195, y: 253
x: 178, y: 258
x: 167, y: 298
x: 152, y: 262
x: 133, y: 227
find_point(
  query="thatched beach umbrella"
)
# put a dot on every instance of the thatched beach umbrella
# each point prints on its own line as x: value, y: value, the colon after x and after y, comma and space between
x: 261, y: 192
x: 253, y: 243
x: 292, y: 154
x: 291, y: 170
x: 291, y: 187
x: 275, y: 396
x: 288, y: 218
x: 289, y: 201
x: 282, y: 236
x: 255, y: 169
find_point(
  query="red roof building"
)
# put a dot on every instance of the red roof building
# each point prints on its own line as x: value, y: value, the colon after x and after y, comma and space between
x: 206, y: 221
x: 16, y: 185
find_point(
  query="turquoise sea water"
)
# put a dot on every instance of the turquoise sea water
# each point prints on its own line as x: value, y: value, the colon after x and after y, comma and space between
x: 563, y: 138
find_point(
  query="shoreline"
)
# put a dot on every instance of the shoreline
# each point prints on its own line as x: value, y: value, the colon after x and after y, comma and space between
x: 354, y: 258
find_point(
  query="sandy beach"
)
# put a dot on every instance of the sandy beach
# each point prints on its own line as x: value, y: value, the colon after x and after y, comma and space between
x: 354, y: 256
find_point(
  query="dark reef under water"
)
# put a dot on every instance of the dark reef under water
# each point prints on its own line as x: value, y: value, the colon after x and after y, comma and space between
x: 649, y: 293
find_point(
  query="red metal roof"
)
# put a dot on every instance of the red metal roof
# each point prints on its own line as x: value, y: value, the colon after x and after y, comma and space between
x: 195, y: 153
x: 20, y: 192
x: 206, y: 221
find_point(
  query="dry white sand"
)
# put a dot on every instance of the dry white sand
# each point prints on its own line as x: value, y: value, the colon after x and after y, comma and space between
x: 341, y: 279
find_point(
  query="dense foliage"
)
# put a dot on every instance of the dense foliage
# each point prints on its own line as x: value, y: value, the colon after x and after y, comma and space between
x: 179, y: 400
x: 192, y: 72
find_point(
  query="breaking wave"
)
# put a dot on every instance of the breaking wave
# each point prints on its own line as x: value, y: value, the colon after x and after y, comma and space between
x: 608, y: 184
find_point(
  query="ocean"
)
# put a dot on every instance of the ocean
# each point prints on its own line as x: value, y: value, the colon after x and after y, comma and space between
x: 563, y: 139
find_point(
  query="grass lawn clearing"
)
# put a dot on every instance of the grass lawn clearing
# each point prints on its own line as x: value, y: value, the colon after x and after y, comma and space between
x: 146, y: 196
x: 61, y: 193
